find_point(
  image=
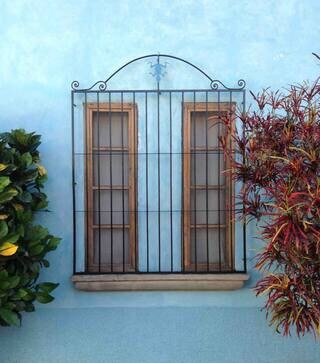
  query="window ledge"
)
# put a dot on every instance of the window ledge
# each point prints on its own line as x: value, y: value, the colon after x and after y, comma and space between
x: 172, y: 281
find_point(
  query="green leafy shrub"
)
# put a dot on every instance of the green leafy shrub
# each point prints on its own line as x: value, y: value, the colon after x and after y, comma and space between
x: 23, y: 245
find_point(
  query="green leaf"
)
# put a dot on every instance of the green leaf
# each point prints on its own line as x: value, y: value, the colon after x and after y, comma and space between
x: 41, y: 179
x: 46, y: 263
x: 35, y: 267
x: 29, y: 297
x: 7, y: 195
x: 41, y: 205
x: 29, y: 175
x: 29, y: 307
x: 44, y: 298
x: 35, y: 242
x: 36, y: 233
x: 10, y: 317
x: 20, y: 229
x: 13, y: 238
x: 47, y: 286
x: 3, y: 274
x: 3, y: 229
x: 9, y: 305
x: 20, y: 305
x: 36, y: 250
x: 4, y: 285
x: 24, y: 217
x: 4, y: 182
x: 22, y: 293
x: 26, y: 159
x: 25, y: 197
x: 53, y: 243
x: 3, y: 167
x: 16, y: 137
x: 14, y: 281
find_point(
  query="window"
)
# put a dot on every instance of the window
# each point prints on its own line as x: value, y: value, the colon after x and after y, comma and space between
x: 110, y: 190
x: 207, y: 223
x: 152, y: 206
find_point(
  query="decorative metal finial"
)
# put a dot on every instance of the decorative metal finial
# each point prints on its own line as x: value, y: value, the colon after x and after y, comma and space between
x: 158, y: 70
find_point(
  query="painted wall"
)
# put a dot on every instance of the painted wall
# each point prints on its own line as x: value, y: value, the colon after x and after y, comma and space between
x: 44, y: 45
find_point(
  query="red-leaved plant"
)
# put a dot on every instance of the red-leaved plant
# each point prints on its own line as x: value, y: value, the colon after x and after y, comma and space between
x: 280, y: 174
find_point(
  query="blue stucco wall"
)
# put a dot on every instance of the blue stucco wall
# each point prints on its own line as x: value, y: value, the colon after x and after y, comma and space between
x: 44, y: 45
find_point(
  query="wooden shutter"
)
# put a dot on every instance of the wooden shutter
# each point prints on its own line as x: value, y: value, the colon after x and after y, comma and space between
x: 208, y: 228
x: 110, y: 187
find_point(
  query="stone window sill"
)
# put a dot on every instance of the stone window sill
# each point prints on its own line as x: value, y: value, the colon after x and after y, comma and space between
x: 153, y: 282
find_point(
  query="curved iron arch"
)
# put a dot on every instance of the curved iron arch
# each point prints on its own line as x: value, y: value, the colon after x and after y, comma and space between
x: 214, y: 83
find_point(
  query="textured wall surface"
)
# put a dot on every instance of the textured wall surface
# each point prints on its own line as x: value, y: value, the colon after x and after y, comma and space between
x: 44, y: 45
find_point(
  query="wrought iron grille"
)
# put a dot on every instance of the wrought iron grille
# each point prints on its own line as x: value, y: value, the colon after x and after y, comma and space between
x: 149, y: 192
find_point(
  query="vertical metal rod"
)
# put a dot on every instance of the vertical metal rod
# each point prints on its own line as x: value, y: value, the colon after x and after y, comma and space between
x: 182, y: 181
x: 207, y: 203
x: 159, y: 178
x: 135, y: 146
x: 99, y: 191
x: 73, y: 187
x: 147, y: 178
x: 219, y: 187
x: 230, y: 184
x: 158, y: 76
x: 195, y: 180
x: 171, y: 229
x: 244, y: 233
x: 88, y: 154
x: 122, y: 176
x: 110, y: 180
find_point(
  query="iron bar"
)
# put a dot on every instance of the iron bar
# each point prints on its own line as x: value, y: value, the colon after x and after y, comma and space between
x: 161, y: 211
x: 244, y: 233
x: 99, y: 194
x: 110, y: 181
x: 147, y: 181
x: 215, y: 272
x: 74, y: 221
x: 159, y: 216
x: 86, y: 187
x: 195, y: 178
x: 207, y: 182
x: 119, y: 152
x: 219, y: 182
x: 230, y: 185
x: 122, y: 179
x: 135, y: 148
x: 155, y: 91
x: 182, y: 184
x: 171, y: 182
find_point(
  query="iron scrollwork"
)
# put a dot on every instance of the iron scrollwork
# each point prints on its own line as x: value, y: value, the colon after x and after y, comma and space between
x: 158, y: 71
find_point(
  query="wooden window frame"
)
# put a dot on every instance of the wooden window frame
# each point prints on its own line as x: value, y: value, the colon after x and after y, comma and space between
x: 188, y: 108
x: 131, y: 110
